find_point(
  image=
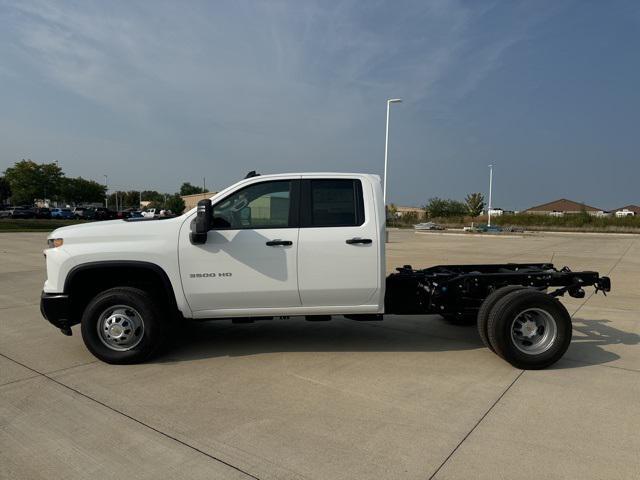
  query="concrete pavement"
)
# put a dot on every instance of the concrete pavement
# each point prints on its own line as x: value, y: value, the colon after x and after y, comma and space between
x: 410, y: 397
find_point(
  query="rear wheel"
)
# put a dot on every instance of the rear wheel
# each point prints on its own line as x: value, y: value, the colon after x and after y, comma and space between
x: 529, y: 329
x: 123, y: 325
x: 487, y: 306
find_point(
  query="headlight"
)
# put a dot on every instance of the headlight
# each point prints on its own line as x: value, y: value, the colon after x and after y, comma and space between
x: 54, y: 242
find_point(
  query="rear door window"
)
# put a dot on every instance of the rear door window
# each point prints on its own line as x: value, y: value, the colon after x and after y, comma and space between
x: 333, y: 203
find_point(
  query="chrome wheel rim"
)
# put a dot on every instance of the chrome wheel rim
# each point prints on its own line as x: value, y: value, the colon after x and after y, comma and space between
x: 533, y: 331
x: 120, y: 328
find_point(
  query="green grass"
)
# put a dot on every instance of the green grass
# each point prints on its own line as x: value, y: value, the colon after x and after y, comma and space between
x: 34, y: 225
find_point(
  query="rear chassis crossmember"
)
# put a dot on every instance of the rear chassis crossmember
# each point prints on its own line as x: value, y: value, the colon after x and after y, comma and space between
x: 459, y: 290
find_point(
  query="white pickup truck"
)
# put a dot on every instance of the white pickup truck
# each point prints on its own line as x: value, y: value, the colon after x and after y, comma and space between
x: 309, y: 244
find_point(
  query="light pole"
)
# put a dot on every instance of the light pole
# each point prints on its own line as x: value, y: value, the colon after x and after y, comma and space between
x: 106, y: 191
x: 490, y: 188
x: 386, y: 150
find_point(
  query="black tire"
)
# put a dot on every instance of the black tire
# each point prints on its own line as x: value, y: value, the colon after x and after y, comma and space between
x: 502, y: 319
x: 485, y: 309
x: 151, y: 338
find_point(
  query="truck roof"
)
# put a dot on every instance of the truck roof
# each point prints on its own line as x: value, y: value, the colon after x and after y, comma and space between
x: 318, y: 174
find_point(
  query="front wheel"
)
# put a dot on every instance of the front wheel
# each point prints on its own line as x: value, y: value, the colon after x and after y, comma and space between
x: 529, y: 329
x: 122, y: 326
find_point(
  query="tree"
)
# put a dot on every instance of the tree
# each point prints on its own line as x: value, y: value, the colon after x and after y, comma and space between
x: 5, y: 190
x: 79, y: 190
x: 436, y: 207
x: 475, y: 204
x: 130, y: 199
x: 152, y: 196
x: 175, y: 203
x: 29, y: 180
x: 441, y: 208
x: 187, y: 189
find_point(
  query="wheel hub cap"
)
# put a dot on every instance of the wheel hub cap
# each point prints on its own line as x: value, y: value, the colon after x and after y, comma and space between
x: 120, y: 327
x: 529, y: 329
x: 533, y: 331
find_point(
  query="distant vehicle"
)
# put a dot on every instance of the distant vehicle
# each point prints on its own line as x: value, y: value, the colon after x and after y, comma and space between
x: 17, y: 212
x: 490, y: 229
x: 83, y: 213
x: 129, y: 213
x: 150, y: 213
x: 484, y: 229
x: 428, y: 226
x: 166, y: 213
x: 103, y: 213
x: 62, y: 213
x: 624, y: 213
x: 42, y: 212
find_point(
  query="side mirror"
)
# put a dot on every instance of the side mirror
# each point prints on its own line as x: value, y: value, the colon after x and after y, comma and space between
x: 202, y: 223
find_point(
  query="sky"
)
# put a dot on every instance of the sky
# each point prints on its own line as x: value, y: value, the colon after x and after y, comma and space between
x: 155, y: 93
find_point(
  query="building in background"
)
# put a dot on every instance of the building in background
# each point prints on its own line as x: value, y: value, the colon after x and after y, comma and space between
x: 402, y: 211
x: 190, y: 201
x: 559, y: 208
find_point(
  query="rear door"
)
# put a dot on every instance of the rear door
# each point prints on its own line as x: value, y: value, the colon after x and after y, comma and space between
x: 338, y: 251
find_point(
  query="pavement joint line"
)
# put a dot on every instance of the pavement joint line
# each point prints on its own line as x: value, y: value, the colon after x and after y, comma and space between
x: 476, y: 425
x: 70, y: 368
x: 115, y: 410
x: 19, y: 380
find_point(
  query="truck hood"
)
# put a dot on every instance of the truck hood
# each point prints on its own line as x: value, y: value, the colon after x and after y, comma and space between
x: 117, y: 230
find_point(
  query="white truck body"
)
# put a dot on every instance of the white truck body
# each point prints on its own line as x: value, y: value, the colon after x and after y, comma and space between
x: 235, y: 274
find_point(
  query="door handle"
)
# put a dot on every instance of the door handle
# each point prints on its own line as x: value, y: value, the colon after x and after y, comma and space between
x: 274, y: 243
x: 353, y: 241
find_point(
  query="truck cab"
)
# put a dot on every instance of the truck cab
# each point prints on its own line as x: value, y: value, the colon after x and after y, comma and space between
x: 288, y: 245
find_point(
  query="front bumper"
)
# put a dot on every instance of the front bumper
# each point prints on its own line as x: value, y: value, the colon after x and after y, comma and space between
x: 55, y: 307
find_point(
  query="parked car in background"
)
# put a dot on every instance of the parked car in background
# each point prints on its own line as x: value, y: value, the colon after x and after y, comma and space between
x: 17, y: 212
x: 490, y: 228
x: 42, y: 212
x: 84, y: 213
x: 129, y: 213
x: 428, y: 226
x: 150, y: 213
x: 103, y: 213
x: 62, y: 213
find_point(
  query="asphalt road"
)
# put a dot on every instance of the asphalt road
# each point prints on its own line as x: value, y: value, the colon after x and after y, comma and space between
x: 410, y: 397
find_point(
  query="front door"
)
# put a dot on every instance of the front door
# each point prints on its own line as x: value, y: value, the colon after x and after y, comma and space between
x: 249, y: 260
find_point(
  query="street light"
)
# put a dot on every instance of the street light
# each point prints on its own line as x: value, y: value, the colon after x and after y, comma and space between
x: 106, y: 190
x: 386, y: 149
x: 490, y: 187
